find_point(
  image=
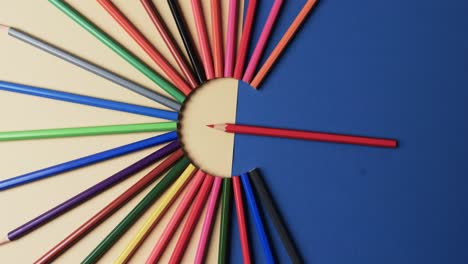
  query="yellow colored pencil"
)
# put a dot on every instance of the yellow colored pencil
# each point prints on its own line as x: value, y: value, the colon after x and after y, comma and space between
x: 168, y: 198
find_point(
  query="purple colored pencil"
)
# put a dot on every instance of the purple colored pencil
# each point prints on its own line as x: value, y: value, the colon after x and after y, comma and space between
x: 91, y: 192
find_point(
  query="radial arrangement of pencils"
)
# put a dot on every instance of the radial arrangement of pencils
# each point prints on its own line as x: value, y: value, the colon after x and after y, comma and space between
x: 202, y: 195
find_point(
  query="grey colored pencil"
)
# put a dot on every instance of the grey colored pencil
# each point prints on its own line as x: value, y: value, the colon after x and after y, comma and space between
x: 93, y: 68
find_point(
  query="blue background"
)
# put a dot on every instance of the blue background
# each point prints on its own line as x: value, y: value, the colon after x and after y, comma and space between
x: 396, y: 69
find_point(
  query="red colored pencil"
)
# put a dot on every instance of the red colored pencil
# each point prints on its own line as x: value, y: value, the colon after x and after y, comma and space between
x: 241, y: 219
x: 190, y: 223
x: 107, y: 211
x: 170, y: 43
x: 218, y: 40
x: 144, y: 43
x: 203, y: 38
x: 245, y: 39
x: 306, y: 135
x: 231, y: 40
x: 176, y: 218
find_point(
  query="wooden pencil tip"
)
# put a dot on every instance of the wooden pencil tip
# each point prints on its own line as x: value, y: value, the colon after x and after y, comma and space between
x: 218, y: 126
x: 212, y: 126
x: 4, y: 28
x: 4, y: 241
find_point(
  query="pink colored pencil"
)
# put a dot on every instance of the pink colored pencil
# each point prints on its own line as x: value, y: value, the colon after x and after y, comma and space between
x: 244, y: 237
x: 231, y: 41
x: 203, y: 38
x: 245, y: 39
x: 179, y: 214
x: 218, y: 40
x: 191, y: 222
x: 208, y: 222
x: 262, y: 41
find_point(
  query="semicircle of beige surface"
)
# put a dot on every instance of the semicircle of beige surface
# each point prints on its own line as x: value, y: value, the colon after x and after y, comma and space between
x: 24, y: 64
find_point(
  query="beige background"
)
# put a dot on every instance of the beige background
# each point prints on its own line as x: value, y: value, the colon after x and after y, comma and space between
x: 24, y: 64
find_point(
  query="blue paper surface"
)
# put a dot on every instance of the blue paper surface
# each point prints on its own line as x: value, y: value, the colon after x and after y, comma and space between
x: 394, y: 69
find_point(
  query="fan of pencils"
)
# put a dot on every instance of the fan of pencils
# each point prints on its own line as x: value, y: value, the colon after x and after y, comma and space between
x: 175, y: 174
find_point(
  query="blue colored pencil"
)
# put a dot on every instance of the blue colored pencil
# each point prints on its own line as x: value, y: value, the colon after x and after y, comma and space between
x: 257, y: 218
x: 87, y: 100
x: 88, y: 160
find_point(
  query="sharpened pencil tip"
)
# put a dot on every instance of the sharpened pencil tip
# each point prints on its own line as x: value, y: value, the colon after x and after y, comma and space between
x: 218, y: 126
x: 212, y: 126
x: 4, y: 241
x: 4, y: 28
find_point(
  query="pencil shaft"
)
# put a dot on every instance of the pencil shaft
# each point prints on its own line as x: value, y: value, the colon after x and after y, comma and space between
x: 245, y: 39
x: 310, y: 135
x: 231, y: 40
x: 170, y: 43
x: 119, y: 49
x: 271, y: 209
x: 85, y: 161
x: 190, y: 223
x: 225, y: 219
x: 144, y: 43
x: 251, y: 201
x: 93, y: 68
x: 208, y: 222
x: 282, y: 44
x: 218, y: 39
x: 91, y: 192
x: 241, y: 220
x: 166, y: 201
x: 136, y: 213
x: 176, y: 219
x: 206, y: 55
x: 87, y: 131
x: 107, y: 211
x: 187, y: 40
x: 262, y: 41
x: 87, y: 100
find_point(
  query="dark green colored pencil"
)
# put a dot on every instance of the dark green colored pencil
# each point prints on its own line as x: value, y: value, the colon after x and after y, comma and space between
x: 225, y: 216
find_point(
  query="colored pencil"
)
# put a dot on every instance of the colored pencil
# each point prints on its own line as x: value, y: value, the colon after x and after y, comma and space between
x: 176, y: 219
x: 225, y: 219
x: 251, y: 201
x: 169, y: 41
x: 107, y: 211
x: 106, y: 244
x: 85, y: 161
x: 87, y: 131
x: 119, y: 49
x: 90, y: 192
x: 87, y: 100
x: 208, y: 222
x: 245, y: 39
x: 218, y: 40
x: 144, y: 43
x: 283, y: 43
x: 306, y: 135
x: 203, y: 40
x: 166, y: 201
x: 241, y: 220
x: 231, y: 40
x: 262, y: 41
x: 187, y: 40
x: 93, y: 68
x: 269, y: 205
x: 191, y: 222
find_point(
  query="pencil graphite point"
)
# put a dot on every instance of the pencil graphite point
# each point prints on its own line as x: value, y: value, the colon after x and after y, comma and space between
x: 218, y: 126
x: 212, y: 126
x: 4, y: 241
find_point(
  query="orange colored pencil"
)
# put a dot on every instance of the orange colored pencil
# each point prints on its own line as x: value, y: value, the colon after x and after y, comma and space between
x: 283, y: 43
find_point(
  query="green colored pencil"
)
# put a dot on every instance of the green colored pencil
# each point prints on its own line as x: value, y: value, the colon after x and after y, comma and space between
x: 225, y: 215
x: 119, y: 49
x: 87, y: 131
x: 137, y: 212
